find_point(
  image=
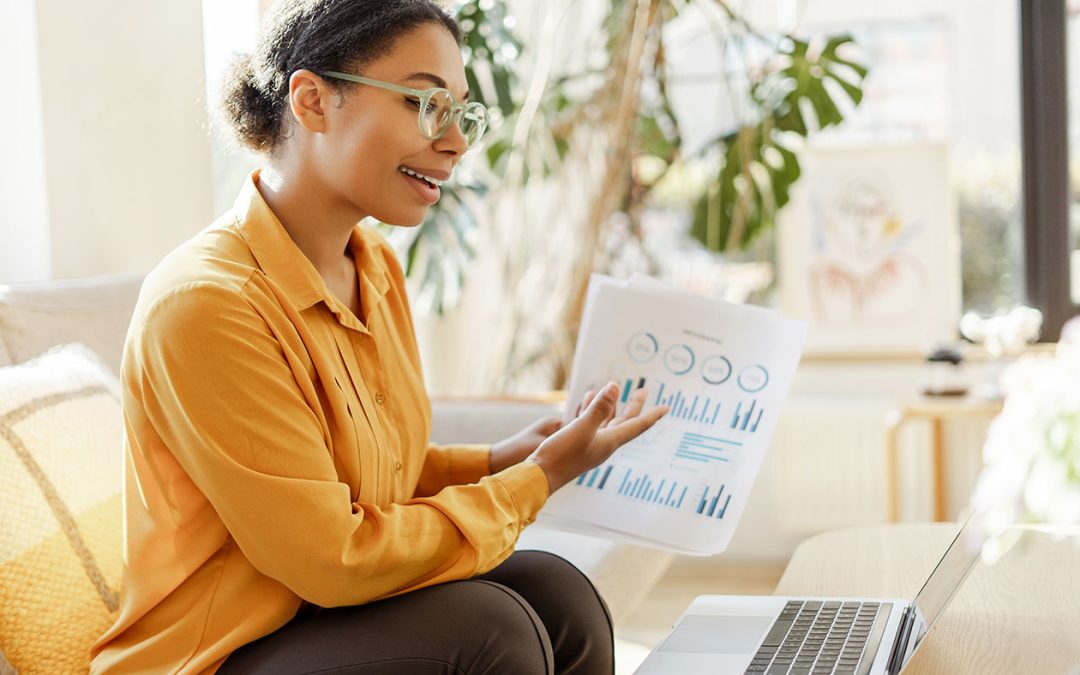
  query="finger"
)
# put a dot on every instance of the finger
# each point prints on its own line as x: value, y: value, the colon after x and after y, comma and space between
x: 630, y: 429
x: 548, y: 425
x: 585, y: 401
x: 614, y: 411
x: 600, y: 407
x: 633, y: 406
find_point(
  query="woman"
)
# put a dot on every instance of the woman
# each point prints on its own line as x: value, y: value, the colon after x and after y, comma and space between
x: 284, y: 510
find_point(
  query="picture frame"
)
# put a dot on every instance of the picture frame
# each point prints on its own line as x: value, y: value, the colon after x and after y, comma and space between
x: 868, y: 249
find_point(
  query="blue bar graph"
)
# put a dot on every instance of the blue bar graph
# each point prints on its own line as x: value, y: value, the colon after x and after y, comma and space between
x: 741, y: 420
x: 666, y: 492
x: 694, y: 409
x: 629, y: 386
x: 595, y: 478
x: 708, y: 507
x: 701, y: 448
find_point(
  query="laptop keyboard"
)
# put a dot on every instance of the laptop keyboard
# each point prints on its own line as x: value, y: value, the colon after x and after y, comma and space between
x: 816, y: 637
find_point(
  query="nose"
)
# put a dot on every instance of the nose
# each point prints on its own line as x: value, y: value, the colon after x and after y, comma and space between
x: 453, y: 141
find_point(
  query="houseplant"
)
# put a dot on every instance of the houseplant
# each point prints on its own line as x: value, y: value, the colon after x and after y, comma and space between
x: 605, y: 125
x: 1031, y: 479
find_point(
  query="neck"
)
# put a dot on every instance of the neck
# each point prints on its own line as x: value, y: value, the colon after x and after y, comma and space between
x: 319, y: 225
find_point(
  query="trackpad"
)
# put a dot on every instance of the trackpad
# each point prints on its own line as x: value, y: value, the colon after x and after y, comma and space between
x: 717, y: 634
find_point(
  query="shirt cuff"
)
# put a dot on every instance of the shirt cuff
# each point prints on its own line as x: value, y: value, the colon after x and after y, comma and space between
x: 528, y: 487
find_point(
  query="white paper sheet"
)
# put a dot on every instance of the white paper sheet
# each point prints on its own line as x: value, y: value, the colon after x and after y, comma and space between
x: 724, y: 369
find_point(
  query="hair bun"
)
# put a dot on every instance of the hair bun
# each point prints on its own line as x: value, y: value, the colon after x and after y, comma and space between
x: 316, y: 35
x: 250, y: 110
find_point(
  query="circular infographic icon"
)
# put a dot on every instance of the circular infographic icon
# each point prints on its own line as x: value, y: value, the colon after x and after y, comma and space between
x: 715, y: 369
x: 679, y: 359
x: 643, y: 347
x: 753, y: 378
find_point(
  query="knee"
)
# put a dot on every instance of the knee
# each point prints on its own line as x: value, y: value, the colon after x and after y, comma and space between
x: 560, y: 579
x: 577, y: 618
x: 507, y: 635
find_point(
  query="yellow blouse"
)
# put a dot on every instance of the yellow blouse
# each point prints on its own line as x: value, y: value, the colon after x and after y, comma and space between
x: 277, y: 451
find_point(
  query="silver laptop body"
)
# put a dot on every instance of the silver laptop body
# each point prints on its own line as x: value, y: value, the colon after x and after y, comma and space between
x: 721, y: 634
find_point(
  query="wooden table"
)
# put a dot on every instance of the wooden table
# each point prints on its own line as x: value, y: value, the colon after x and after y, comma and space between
x: 1018, y: 616
x: 937, y: 411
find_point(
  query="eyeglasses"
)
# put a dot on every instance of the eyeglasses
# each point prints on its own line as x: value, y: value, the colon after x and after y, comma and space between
x: 438, y: 108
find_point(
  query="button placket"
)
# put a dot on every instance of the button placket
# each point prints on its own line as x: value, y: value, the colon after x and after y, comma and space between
x: 370, y: 413
x: 366, y: 349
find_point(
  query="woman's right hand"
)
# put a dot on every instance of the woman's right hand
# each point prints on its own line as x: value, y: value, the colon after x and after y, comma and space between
x: 593, y: 435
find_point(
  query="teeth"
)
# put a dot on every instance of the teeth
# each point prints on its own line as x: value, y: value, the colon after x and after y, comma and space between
x: 433, y: 181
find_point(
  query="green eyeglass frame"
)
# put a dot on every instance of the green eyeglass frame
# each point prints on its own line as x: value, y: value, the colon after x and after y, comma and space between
x: 472, y: 118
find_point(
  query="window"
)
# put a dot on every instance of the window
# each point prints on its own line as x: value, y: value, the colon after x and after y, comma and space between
x: 1051, y: 218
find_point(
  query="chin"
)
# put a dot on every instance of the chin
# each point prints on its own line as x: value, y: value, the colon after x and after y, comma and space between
x: 408, y: 219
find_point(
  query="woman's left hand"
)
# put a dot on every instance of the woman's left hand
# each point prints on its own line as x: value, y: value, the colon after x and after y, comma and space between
x: 513, y: 450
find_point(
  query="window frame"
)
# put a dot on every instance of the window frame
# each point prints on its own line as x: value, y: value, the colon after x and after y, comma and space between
x: 1045, y: 160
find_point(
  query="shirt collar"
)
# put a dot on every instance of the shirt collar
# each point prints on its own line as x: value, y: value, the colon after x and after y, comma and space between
x: 287, y: 266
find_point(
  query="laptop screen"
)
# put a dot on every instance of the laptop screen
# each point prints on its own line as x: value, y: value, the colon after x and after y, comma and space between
x: 951, y: 571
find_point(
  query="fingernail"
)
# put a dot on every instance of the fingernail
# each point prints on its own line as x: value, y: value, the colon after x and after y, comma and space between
x: 611, y: 389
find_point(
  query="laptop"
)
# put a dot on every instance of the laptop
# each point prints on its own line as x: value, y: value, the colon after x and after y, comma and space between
x: 720, y: 634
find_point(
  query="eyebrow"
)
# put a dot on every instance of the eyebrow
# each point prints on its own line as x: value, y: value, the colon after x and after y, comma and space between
x: 436, y: 80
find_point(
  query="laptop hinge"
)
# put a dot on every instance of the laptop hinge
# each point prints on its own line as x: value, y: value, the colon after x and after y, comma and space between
x: 903, y: 636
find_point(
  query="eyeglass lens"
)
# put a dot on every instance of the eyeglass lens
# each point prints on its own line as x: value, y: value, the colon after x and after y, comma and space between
x: 439, y: 115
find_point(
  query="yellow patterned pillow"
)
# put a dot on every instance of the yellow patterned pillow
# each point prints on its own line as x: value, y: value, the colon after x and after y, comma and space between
x: 60, y: 466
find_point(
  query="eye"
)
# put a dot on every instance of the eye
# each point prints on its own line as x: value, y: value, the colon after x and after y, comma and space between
x: 414, y: 102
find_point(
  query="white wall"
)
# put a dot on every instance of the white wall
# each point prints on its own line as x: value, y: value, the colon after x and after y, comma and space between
x: 24, y: 233
x: 118, y: 149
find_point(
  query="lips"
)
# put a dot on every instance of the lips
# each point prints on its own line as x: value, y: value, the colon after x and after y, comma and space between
x: 431, y: 176
x: 429, y: 192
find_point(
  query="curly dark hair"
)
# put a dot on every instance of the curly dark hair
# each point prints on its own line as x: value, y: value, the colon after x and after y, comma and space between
x: 316, y: 35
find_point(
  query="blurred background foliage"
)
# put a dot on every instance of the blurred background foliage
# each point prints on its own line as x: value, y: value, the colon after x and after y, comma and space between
x: 796, y: 86
x: 613, y: 113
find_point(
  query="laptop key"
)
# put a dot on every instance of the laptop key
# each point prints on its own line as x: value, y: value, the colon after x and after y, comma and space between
x: 874, y: 640
x: 777, y: 633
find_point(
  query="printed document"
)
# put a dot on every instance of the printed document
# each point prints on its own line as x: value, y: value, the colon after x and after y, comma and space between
x: 723, y: 369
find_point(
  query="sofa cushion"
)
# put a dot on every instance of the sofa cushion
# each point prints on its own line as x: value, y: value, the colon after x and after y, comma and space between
x: 94, y: 312
x: 60, y: 472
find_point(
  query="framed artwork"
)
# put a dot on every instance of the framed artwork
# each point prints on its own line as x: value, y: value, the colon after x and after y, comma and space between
x: 869, y: 249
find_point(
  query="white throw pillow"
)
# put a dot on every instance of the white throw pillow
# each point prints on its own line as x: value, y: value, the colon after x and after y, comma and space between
x: 60, y: 528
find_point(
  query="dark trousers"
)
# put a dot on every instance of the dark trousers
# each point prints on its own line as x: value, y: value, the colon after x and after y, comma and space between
x: 535, y: 613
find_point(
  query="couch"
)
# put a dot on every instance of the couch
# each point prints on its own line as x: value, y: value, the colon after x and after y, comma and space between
x: 95, y: 312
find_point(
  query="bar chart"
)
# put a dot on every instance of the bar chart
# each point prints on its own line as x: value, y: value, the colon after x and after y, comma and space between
x: 711, y: 506
x: 701, y: 448
x: 644, y: 487
x: 696, y: 408
x: 670, y: 492
x: 630, y: 384
x: 595, y: 478
x: 741, y: 420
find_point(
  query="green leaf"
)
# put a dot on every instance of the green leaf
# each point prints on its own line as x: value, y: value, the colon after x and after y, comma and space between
x: 744, y: 196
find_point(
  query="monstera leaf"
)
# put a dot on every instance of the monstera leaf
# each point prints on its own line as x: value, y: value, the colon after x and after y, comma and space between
x: 802, y: 88
x: 758, y: 167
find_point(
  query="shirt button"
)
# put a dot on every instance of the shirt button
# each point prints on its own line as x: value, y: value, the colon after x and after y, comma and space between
x: 397, y: 466
x: 380, y: 397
